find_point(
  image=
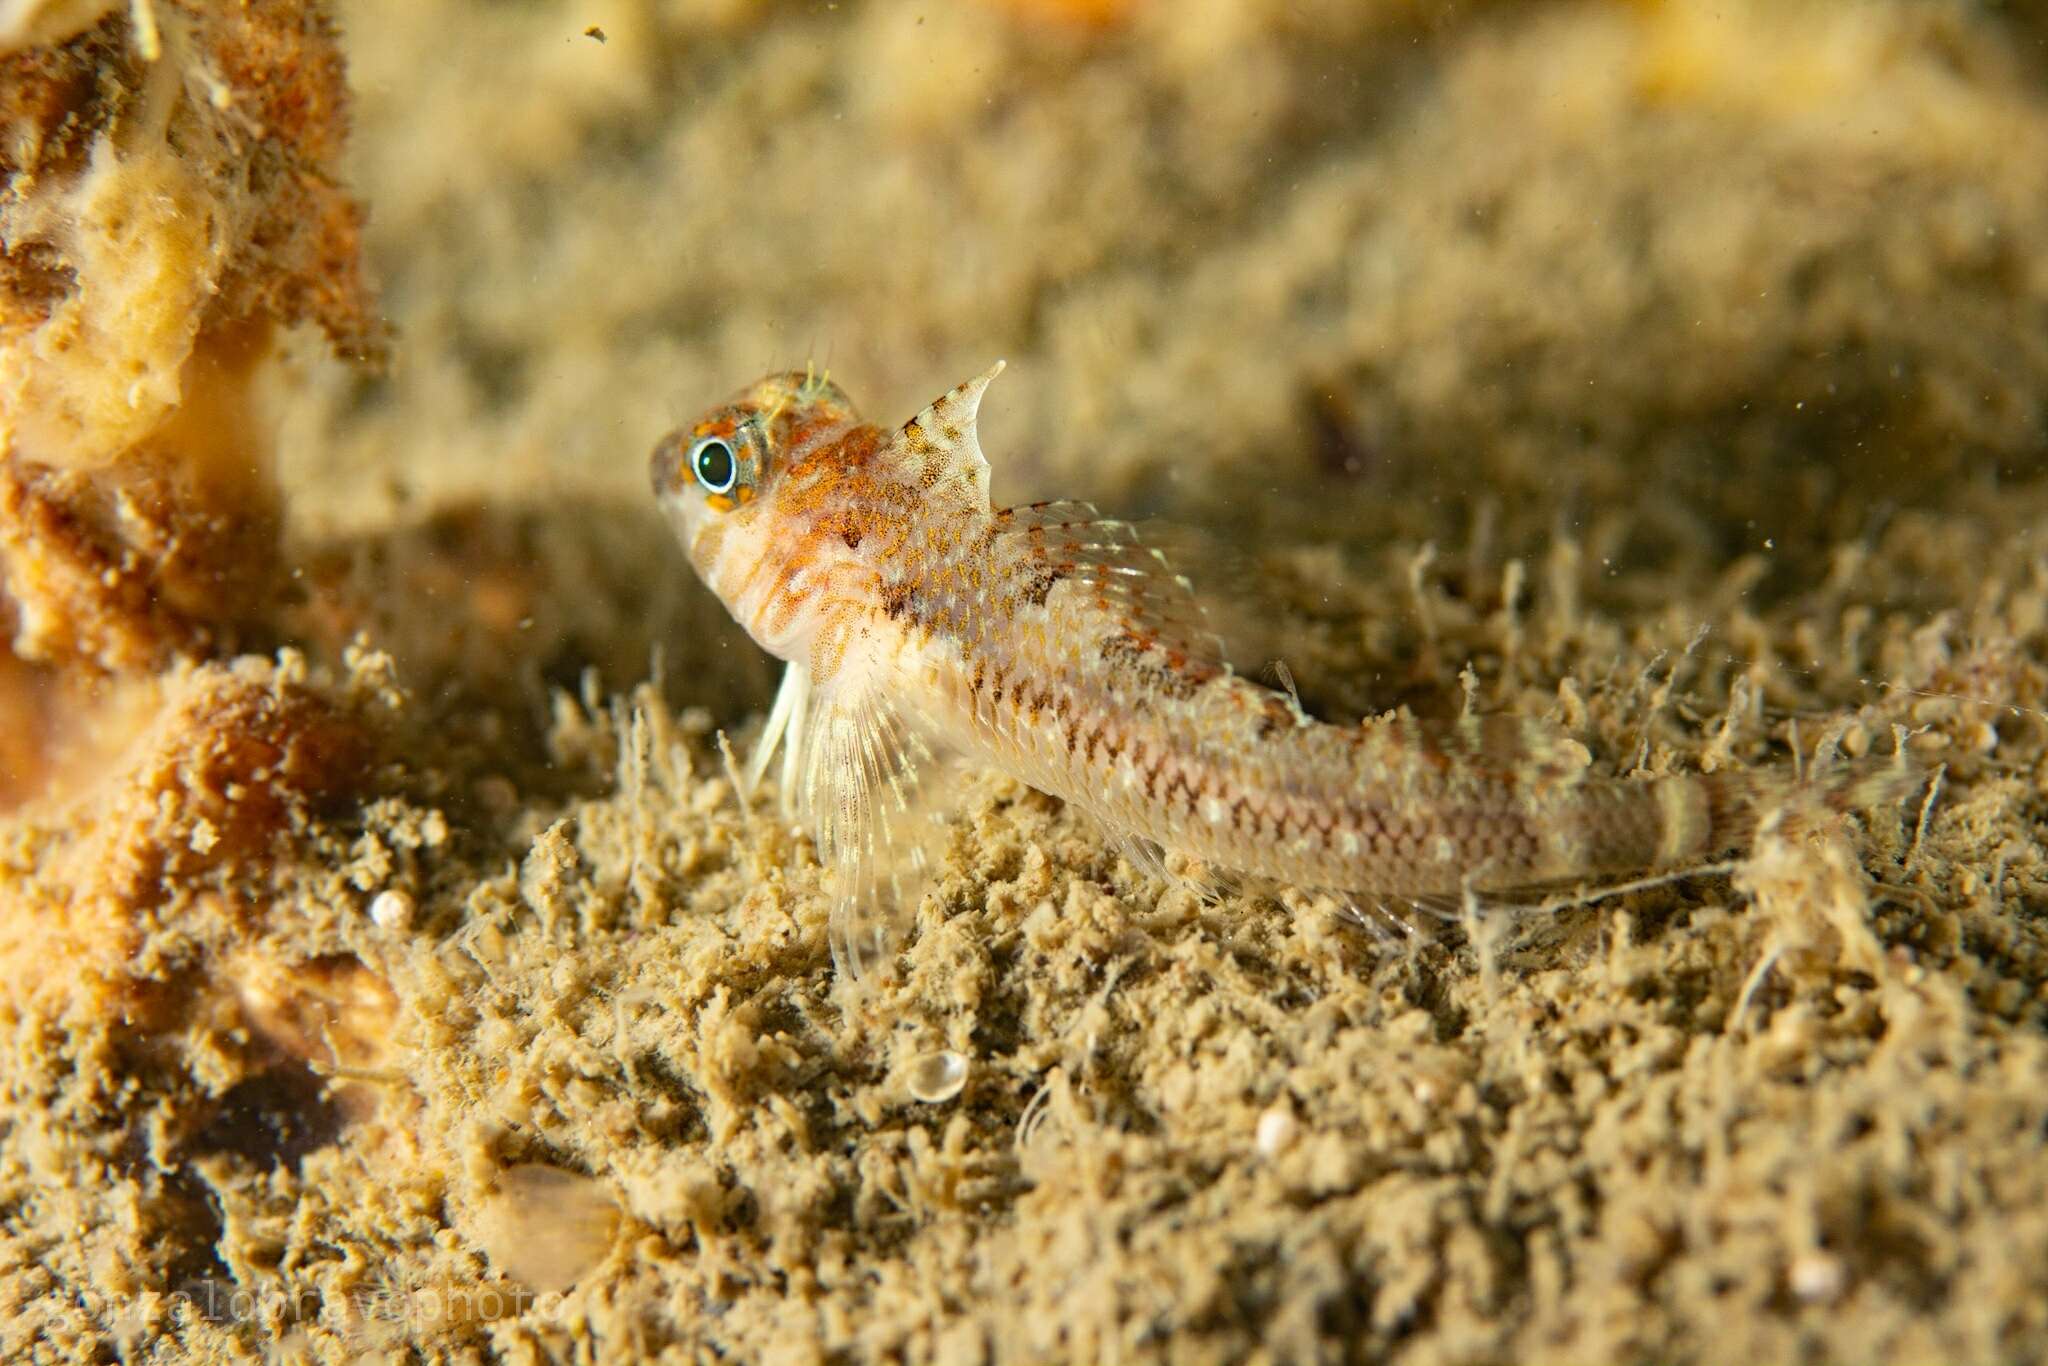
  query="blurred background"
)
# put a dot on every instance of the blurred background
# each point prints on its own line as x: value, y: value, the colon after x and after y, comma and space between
x: 1672, y: 371
x: 1687, y: 281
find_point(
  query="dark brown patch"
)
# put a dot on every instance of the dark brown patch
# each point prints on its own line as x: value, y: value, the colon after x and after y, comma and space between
x: 1038, y: 585
x: 1152, y: 771
x: 1095, y: 739
x: 1244, y: 808
x: 1123, y: 650
x: 1338, y: 436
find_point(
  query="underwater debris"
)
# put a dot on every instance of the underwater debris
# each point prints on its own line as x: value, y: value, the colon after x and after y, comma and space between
x: 333, y: 1012
x: 173, y: 199
x: 164, y: 817
x: 39, y: 23
x: 545, y: 1227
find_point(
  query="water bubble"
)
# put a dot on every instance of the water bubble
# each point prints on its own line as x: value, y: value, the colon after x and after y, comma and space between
x: 937, y: 1076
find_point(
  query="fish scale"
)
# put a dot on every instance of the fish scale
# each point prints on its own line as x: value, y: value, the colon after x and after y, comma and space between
x: 927, y: 632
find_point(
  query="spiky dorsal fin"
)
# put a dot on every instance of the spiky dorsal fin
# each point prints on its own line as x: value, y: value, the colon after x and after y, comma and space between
x: 940, y: 451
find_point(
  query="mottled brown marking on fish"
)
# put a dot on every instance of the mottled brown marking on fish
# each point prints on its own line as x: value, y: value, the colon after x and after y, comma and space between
x: 1045, y: 640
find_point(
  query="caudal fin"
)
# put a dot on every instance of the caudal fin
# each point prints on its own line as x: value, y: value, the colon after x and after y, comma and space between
x: 1739, y: 803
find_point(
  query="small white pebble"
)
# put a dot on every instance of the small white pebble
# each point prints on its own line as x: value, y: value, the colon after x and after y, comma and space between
x: 1277, y: 1130
x: 937, y: 1076
x: 1817, y: 1277
x: 391, y: 909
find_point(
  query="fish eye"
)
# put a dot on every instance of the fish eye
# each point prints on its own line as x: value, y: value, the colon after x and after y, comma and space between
x: 712, y: 461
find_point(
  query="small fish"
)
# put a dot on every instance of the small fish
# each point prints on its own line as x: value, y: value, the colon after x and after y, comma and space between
x: 926, y: 631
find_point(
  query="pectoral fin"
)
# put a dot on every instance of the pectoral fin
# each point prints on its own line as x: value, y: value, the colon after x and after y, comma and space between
x: 875, y: 789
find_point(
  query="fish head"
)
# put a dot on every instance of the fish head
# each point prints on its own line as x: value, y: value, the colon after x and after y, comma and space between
x: 729, y: 459
x: 728, y: 485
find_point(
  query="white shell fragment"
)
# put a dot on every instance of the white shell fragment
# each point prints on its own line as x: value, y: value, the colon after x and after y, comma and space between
x: 1276, y: 1131
x: 935, y: 1077
x: 391, y: 910
x: 1818, y: 1277
x: 546, y: 1228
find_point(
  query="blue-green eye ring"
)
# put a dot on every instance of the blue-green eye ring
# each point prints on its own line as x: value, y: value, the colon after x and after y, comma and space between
x: 713, y: 462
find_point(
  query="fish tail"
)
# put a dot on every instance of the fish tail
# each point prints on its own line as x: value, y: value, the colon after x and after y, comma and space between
x: 1738, y: 804
x: 1683, y: 819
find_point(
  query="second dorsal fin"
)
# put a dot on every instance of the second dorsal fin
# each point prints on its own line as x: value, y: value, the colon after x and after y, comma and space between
x: 1143, y: 594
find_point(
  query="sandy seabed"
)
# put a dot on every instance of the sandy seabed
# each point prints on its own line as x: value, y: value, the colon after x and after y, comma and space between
x: 399, y: 974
